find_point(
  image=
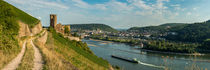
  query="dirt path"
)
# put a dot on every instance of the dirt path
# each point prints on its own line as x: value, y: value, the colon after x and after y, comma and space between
x: 38, y: 58
x: 15, y: 62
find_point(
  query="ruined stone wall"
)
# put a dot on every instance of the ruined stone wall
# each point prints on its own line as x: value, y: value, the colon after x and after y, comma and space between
x: 59, y: 28
x: 24, y: 29
x: 53, y: 20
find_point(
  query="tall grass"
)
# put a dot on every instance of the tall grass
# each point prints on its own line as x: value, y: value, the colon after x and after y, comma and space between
x: 9, y: 46
x: 7, y: 10
x: 27, y: 61
x: 79, y: 47
x: 51, y: 58
x: 58, y: 55
x: 7, y: 54
x: 193, y: 66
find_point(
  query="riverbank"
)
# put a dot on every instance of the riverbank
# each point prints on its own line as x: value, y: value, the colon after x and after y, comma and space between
x: 153, y: 51
x: 173, y: 61
x: 114, y: 41
x: 190, y: 54
x: 101, y: 40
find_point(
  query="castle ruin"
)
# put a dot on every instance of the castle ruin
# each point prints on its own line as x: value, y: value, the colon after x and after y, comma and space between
x: 58, y: 27
x: 53, y: 20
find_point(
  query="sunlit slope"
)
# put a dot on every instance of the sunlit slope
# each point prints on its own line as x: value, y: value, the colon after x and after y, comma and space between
x: 62, y: 53
x: 9, y: 45
x: 8, y: 12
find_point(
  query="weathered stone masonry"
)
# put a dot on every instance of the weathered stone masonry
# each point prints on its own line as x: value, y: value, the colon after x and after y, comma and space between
x: 58, y: 27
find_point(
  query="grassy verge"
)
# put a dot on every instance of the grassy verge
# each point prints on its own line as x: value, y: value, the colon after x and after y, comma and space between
x: 27, y: 61
x: 75, y: 54
x: 61, y: 54
x: 52, y: 60
x: 8, y: 53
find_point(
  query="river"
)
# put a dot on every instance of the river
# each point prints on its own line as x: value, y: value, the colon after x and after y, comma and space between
x: 148, y: 60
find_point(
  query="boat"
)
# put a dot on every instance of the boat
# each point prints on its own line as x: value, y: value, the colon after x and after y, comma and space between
x: 134, y: 60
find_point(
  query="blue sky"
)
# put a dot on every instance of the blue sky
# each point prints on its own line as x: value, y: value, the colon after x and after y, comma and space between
x: 117, y: 13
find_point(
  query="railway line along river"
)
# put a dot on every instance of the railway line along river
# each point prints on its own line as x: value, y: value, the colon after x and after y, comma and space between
x: 148, y: 60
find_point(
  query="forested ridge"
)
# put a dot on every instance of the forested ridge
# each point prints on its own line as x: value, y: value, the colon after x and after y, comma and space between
x: 197, y: 32
x: 157, y: 29
x: 93, y: 27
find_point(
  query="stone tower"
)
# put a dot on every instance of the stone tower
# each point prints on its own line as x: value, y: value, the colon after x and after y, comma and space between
x: 53, y: 20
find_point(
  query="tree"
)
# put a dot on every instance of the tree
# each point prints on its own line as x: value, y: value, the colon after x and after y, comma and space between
x: 66, y: 30
x: 206, y: 44
x: 75, y: 35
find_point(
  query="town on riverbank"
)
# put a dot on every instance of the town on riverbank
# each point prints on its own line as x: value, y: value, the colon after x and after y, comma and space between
x: 167, y: 38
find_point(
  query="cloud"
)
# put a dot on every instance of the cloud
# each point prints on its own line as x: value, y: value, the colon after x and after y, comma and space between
x: 189, y: 13
x: 81, y: 4
x: 40, y: 4
x: 176, y: 5
x: 39, y: 18
x: 51, y: 4
x: 160, y: 4
x: 101, y: 6
x: 194, y: 8
x: 113, y: 12
x: 140, y: 4
x: 119, y: 6
x: 176, y: 14
x: 111, y: 5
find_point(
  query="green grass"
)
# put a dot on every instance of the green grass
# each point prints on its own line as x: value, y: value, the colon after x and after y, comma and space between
x: 9, y: 28
x: 52, y: 60
x: 8, y: 11
x: 7, y: 54
x: 27, y: 61
x: 79, y: 47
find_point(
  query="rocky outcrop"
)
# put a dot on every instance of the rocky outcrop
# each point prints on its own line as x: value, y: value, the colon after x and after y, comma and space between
x: 24, y: 29
x: 43, y: 38
x: 36, y: 29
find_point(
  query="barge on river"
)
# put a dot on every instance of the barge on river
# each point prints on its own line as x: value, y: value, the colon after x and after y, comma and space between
x: 126, y: 59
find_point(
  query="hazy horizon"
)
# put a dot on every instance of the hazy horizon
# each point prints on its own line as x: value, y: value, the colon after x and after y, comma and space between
x: 121, y: 14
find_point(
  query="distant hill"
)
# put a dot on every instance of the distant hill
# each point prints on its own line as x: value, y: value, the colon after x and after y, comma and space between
x: 196, y: 32
x: 208, y: 21
x: 156, y: 29
x: 93, y: 27
x: 172, y: 24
